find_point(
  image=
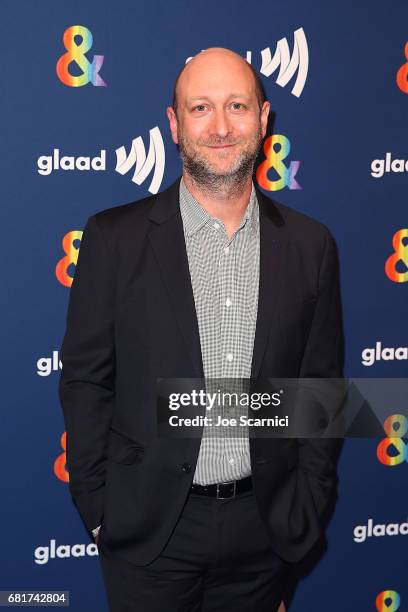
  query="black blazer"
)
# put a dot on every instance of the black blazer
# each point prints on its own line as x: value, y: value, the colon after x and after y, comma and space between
x: 131, y: 319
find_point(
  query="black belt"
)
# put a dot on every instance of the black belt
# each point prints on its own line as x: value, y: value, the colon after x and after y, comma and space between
x: 223, y: 490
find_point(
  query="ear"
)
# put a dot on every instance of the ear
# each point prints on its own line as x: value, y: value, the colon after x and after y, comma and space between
x: 171, y: 115
x: 264, y: 117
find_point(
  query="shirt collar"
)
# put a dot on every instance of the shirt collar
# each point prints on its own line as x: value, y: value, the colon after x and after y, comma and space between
x: 195, y: 216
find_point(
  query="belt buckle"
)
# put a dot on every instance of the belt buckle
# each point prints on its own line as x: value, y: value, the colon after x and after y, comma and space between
x: 233, y: 483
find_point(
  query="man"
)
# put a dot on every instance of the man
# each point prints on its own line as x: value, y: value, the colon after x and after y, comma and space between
x: 209, y: 278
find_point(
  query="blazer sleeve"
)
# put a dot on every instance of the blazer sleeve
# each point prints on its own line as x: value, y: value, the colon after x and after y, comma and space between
x: 87, y: 381
x: 323, y: 358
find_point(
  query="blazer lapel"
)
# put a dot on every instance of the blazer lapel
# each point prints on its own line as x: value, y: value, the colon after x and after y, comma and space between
x: 272, y: 257
x: 167, y: 240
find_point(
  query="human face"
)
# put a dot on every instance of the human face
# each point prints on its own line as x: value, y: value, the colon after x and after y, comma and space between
x: 219, y: 125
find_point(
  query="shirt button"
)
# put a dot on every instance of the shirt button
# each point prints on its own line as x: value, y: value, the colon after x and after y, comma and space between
x: 230, y: 357
x: 216, y: 225
x: 231, y: 461
x: 226, y: 250
x: 228, y: 302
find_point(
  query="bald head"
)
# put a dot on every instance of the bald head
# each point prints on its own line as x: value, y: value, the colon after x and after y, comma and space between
x: 216, y: 62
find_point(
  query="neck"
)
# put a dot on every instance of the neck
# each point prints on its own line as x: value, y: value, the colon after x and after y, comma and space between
x: 225, y: 202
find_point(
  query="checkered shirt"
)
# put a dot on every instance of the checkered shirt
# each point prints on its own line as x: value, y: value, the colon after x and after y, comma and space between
x: 225, y: 279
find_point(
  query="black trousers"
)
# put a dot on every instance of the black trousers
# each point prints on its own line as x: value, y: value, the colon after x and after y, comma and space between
x: 218, y: 559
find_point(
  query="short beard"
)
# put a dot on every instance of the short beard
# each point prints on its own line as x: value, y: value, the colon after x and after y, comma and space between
x: 214, y: 184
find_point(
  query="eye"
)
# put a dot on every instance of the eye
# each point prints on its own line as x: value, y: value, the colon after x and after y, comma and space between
x: 200, y: 108
x: 238, y: 106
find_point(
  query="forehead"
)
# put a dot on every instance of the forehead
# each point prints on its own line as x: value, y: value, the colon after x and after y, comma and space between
x: 215, y: 76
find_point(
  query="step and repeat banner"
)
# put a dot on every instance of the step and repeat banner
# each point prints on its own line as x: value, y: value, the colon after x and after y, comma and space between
x: 84, y: 128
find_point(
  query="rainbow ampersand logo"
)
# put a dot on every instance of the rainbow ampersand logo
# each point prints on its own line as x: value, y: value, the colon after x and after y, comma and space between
x: 388, y: 601
x: 70, y: 244
x: 76, y: 53
x: 402, y: 74
x: 273, y: 159
x: 395, y: 427
x: 60, y: 467
x: 400, y: 245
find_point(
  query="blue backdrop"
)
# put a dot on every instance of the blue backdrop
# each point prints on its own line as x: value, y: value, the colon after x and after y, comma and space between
x: 335, y: 74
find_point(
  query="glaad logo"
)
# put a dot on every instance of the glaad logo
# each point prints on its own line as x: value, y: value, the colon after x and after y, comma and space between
x: 388, y: 601
x: 155, y: 160
x: 393, y: 450
x: 48, y: 163
x: 42, y: 554
x: 70, y: 245
x: 287, y: 64
x: 370, y: 355
x: 76, y: 53
x: 46, y: 365
x: 144, y: 165
x: 402, y: 74
x: 381, y: 166
x: 362, y: 532
x: 398, y: 258
x: 274, y: 160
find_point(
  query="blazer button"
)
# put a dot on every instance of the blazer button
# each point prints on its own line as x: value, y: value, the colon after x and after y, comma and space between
x: 186, y: 467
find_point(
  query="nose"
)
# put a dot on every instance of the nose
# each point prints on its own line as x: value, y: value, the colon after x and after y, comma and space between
x: 220, y: 125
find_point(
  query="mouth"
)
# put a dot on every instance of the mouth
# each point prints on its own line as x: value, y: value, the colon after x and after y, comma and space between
x: 227, y: 146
